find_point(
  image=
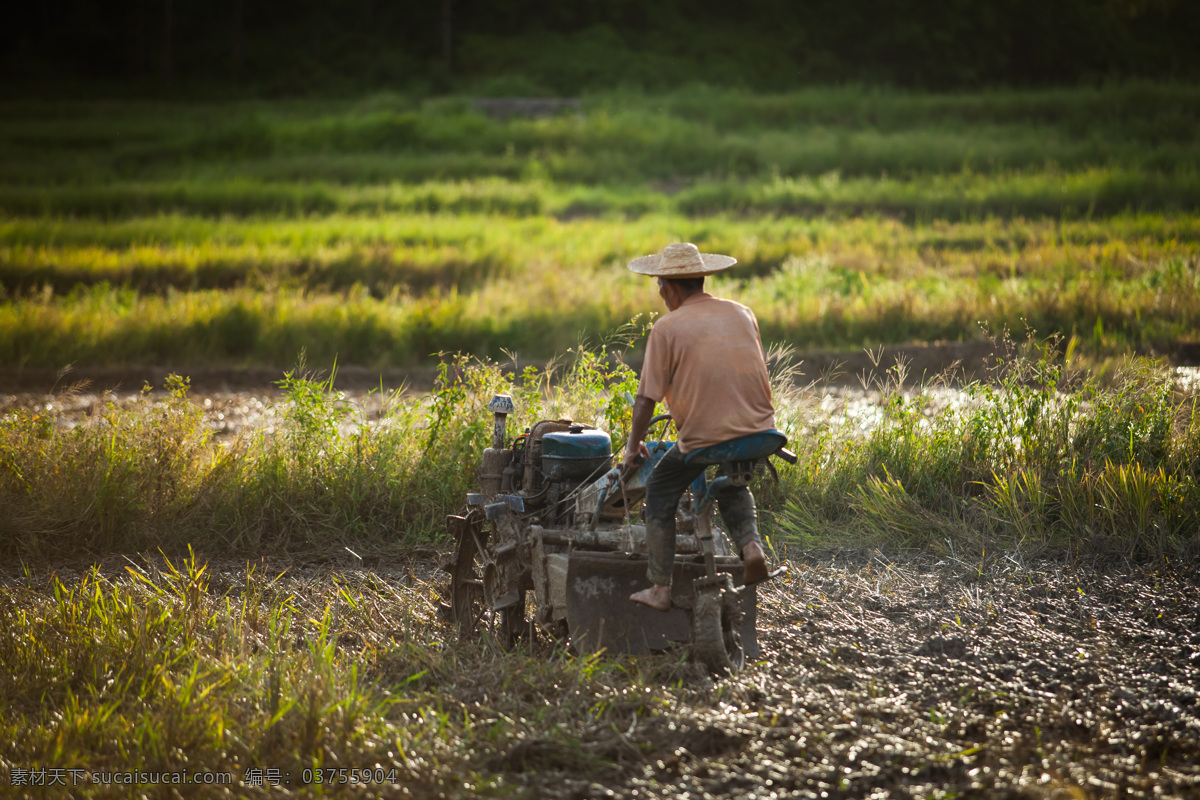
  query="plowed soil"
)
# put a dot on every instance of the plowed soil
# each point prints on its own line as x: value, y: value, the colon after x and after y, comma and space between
x: 933, y: 679
x: 878, y: 679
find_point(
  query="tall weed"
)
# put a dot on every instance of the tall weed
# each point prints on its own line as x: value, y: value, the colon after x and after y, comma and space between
x: 119, y: 481
x: 1045, y: 458
x: 317, y: 475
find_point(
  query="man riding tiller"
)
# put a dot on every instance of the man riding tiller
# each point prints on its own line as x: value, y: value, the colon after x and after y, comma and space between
x: 705, y: 359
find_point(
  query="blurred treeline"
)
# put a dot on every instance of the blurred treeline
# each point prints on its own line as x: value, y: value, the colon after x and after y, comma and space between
x: 532, y: 47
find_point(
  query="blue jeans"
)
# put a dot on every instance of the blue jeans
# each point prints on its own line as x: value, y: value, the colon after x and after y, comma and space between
x: 666, y: 485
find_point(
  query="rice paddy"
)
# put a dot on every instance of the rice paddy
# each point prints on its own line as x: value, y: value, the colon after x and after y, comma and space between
x: 384, y: 231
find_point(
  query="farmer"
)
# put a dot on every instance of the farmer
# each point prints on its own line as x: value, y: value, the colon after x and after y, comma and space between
x: 705, y: 359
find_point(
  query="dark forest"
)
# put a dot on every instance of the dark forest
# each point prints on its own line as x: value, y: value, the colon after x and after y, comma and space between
x: 532, y: 47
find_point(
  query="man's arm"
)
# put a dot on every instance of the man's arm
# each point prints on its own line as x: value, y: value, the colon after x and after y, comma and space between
x: 643, y: 411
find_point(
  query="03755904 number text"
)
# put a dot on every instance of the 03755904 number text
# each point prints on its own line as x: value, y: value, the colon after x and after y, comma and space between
x: 342, y: 775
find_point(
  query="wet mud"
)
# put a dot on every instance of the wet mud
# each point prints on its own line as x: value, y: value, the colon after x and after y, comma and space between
x: 968, y: 360
x: 929, y: 680
x: 227, y: 414
x: 230, y: 413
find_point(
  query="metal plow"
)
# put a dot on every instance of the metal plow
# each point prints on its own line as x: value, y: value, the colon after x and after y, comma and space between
x: 599, y: 614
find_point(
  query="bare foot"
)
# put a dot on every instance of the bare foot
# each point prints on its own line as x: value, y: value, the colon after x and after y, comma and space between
x: 657, y: 597
x: 755, y: 564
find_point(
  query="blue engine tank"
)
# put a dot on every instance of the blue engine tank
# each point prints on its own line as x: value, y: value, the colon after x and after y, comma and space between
x: 577, y: 454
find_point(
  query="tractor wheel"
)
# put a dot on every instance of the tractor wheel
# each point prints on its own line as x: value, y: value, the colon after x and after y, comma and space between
x: 716, y: 632
x: 469, y: 610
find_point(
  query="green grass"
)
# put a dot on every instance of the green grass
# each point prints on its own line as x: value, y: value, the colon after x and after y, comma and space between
x: 318, y: 476
x: 385, y: 229
x: 618, y: 137
x: 1045, y: 458
x: 389, y: 292
x: 959, y: 193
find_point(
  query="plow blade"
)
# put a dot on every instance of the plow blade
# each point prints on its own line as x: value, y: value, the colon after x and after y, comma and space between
x: 600, y: 615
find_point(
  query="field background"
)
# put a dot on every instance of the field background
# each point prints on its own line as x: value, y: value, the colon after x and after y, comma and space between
x: 387, y: 229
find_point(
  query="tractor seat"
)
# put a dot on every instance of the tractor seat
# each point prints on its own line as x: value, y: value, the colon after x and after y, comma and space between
x: 744, y: 448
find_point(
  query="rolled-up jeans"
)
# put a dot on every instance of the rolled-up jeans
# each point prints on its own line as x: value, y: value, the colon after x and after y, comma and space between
x: 666, y: 485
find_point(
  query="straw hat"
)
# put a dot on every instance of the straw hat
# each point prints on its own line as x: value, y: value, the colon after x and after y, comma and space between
x: 681, y: 260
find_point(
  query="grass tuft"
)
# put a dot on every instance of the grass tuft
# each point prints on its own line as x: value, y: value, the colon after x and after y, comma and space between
x: 1044, y: 459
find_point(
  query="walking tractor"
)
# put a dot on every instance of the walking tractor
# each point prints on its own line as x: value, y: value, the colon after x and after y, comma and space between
x: 553, y: 519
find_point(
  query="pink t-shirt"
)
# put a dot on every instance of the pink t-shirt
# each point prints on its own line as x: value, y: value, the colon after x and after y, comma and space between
x: 706, y: 360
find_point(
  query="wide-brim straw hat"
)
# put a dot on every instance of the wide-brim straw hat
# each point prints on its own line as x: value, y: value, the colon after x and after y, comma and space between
x: 681, y: 260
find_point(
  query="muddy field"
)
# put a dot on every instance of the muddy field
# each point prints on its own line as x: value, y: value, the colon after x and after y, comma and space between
x: 230, y: 408
x: 938, y: 679
x: 878, y: 679
x: 229, y: 413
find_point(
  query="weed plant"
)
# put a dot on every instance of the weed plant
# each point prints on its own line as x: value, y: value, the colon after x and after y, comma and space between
x: 1045, y: 458
x: 318, y: 476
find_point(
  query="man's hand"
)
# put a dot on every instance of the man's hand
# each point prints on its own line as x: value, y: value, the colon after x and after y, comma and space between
x: 635, y: 456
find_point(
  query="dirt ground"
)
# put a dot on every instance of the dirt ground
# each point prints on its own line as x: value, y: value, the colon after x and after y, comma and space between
x: 229, y: 413
x: 920, y: 678
x: 932, y: 679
